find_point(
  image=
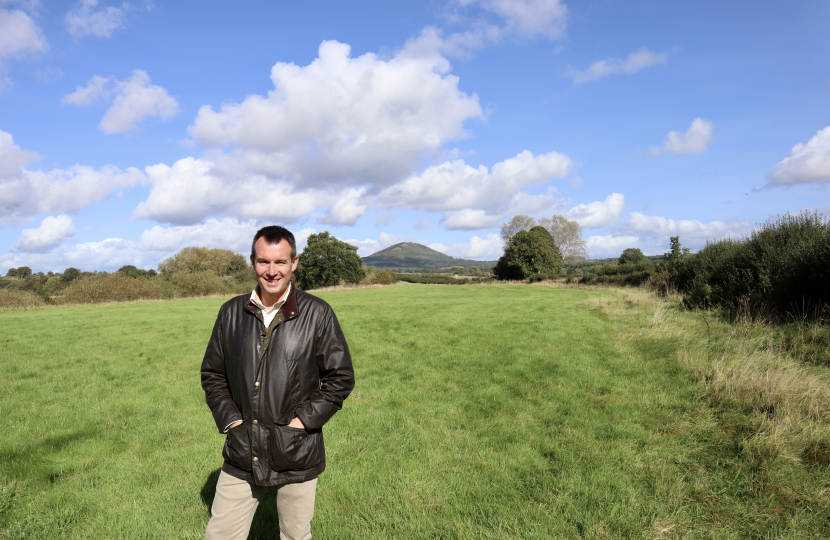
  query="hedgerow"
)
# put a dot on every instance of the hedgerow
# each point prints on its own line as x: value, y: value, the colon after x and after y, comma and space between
x: 782, y: 267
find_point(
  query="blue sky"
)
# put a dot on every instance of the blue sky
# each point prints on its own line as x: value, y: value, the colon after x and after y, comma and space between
x: 130, y: 130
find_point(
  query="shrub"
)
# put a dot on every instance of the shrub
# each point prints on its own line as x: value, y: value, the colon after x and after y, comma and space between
x: 205, y: 283
x: 536, y: 278
x: 109, y: 288
x: 783, y: 265
x: 633, y: 256
x: 11, y: 299
x: 378, y: 277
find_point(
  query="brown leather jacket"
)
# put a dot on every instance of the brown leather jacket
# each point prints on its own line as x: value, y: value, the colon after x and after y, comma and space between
x: 300, y: 366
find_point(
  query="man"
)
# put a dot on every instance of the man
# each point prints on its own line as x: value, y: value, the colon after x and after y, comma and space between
x: 276, y: 369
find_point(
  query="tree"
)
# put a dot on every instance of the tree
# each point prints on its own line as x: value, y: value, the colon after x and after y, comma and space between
x: 633, y: 256
x: 328, y: 261
x: 567, y: 234
x: 673, y: 260
x: 527, y: 253
x: 518, y: 223
x: 70, y: 274
x: 475, y: 271
x: 199, y: 259
x: 23, y: 272
x: 133, y: 272
x: 568, y: 237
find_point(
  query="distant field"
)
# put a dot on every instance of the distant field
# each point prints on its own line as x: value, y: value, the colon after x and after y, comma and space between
x: 480, y: 412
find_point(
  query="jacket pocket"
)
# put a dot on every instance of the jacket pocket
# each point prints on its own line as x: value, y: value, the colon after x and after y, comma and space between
x: 237, y: 450
x: 296, y: 449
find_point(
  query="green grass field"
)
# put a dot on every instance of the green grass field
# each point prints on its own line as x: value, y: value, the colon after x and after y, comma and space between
x: 480, y: 412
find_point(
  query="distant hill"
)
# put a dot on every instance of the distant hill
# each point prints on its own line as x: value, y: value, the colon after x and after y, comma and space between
x: 412, y: 255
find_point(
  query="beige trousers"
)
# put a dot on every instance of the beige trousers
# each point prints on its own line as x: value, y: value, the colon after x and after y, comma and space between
x: 236, y: 501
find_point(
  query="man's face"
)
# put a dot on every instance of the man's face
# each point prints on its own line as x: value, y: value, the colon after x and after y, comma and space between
x: 273, y: 266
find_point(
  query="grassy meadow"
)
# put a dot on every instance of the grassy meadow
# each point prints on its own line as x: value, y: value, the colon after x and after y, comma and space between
x: 480, y: 412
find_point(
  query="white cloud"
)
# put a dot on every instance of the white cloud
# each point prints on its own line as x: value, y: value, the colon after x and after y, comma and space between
x: 19, y: 36
x: 422, y: 223
x: 694, y: 141
x: 84, y: 20
x: 51, y: 233
x: 109, y: 254
x: 601, y: 247
x: 692, y: 232
x: 25, y: 193
x: 527, y: 18
x: 490, y: 248
x: 475, y: 198
x: 347, y: 209
x: 635, y: 62
x: 135, y: 99
x: 342, y: 120
x: 807, y: 163
x: 192, y: 190
x: 599, y: 214
x: 228, y: 233
x: 97, y: 89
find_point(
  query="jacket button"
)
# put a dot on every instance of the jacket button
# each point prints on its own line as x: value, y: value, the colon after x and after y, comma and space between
x: 255, y: 422
x: 256, y: 459
x: 256, y: 383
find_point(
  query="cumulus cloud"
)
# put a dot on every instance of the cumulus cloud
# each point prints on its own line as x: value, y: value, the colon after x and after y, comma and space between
x: 692, y: 232
x: 347, y: 208
x: 636, y: 61
x: 694, y: 141
x: 25, y: 193
x: 85, y: 20
x: 192, y: 190
x: 490, y: 247
x: 52, y: 232
x: 598, y: 214
x: 342, y: 120
x: 19, y: 36
x: 807, y: 163
x: 228, y: 233
x: 475, y: 198
x: 109, y: 254
x: 601, y: 247
x: 132, y: 100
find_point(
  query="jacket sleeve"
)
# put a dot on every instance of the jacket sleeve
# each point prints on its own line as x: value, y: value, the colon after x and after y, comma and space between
x: 215, y: 382
x: 334, y: 365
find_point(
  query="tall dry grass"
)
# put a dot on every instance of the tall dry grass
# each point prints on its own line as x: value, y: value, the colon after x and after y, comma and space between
x: 743, y: 365
x: 13, y: 299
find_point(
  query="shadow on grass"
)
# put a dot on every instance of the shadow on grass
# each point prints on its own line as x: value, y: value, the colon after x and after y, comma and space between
x: 266, y: 523
x: 29, y: 461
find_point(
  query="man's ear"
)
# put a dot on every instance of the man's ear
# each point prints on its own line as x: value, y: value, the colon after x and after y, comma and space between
x: 294, y: 263
x: 252, y: 263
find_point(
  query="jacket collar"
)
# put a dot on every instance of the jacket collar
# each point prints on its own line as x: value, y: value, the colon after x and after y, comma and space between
x: 289, y: 308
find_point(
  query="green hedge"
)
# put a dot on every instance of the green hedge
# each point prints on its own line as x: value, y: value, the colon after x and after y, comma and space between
x: 783, y: 267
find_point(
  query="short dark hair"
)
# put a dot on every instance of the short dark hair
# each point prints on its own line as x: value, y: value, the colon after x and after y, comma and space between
x: 274, y: 234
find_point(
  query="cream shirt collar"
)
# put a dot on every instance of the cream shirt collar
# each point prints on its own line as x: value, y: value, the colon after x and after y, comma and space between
x: 269, y: 313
